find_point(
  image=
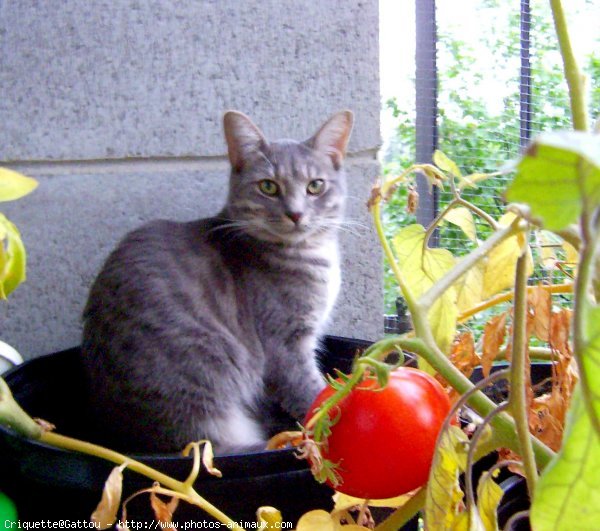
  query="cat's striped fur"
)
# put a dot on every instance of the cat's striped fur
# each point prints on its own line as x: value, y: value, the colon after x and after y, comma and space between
x: 208, y: 329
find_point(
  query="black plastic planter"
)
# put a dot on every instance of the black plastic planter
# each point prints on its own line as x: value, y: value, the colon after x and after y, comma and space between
x: 52, y: 484
x: 49, y: 483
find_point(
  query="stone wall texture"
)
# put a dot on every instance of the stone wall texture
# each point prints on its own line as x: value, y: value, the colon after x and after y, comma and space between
x: 116, y: 106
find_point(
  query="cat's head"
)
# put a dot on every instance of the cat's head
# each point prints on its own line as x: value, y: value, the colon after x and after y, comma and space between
x: 286, y: 191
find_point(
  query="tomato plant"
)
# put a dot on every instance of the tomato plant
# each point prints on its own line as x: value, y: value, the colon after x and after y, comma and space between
x: 383, y: 439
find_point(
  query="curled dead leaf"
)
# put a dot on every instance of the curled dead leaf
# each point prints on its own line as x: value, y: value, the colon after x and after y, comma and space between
x: 285, y: 439
x: 44, y: 424
x: 106, y: 512
x: 412, y: 200
x: 539, y: 302
x: 375, y: 196
x: 268, y: 518
x: 493, y: 338
x: 163, y: 511
x: 463, y: 354
x: 208, y: 460
x: 559, y: 332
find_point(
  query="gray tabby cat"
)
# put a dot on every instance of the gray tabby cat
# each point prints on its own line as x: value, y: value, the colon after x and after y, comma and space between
x: 208, y: 329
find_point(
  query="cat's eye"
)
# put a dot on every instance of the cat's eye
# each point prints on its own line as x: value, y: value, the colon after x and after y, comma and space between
x: 268, y: 187
x: 316, y: 187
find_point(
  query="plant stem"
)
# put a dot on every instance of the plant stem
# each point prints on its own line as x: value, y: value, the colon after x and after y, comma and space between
x: 519, y: 406
x: 503, y: 297
x: 403, y: 514
x: 69, y: 443
x: 581, y: 307
x: 574, y: 78
x: 473, y: 443
x: 431, y: 295
x: 432, y: 226
x: 13, y: 416
x: 504, y: 425
x: 477, y: 211
x: 411, y: 302
x: 377, y: 351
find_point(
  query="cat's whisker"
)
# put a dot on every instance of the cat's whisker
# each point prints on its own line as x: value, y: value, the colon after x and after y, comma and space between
x: 355, y: 228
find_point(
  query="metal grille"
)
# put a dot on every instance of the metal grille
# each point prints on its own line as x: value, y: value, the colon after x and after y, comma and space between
x: 494, y: 81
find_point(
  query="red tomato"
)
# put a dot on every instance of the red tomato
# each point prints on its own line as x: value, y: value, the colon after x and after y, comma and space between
x: 384, y: 440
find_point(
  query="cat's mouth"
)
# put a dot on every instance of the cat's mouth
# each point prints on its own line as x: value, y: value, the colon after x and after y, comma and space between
x: 281, y: 232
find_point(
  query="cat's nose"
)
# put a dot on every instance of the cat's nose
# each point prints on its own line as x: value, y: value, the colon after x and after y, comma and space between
x: 294, y: 216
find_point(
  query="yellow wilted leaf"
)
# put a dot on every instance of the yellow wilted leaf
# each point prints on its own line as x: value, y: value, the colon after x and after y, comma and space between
x: 105, y: 514
x: 471, y: 180
x: 444, y: 497
x: 163, y: 512
x: 422, y: 267
x: 318, y: 520
x: 343, y: 501
x: 463, y: 218
x: 13, y: 185
x: 499, y: 271
x: 207, y: 460
x: 572, y: 257
x: 469, y: 287
x: 12, y: 257
x: 548, y: 242
x: 268, y: 518
x: 493, y: 337
x: 445, y: 163
x: 489, y: 495
x: 461, y: 522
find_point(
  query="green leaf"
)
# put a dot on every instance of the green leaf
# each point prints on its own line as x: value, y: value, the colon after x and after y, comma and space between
x: 463, y: 218
x: 590, y: 359
x: 13, y: 185
x: 422, y: 267
x: 567, y: 496
x: 12, y: 258
x: 445, y: 163
x: 556, y: 175
x: 444, y: 496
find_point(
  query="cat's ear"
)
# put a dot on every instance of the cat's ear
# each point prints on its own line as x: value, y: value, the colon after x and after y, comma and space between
x: 242, y: 136
x: 332, y: 138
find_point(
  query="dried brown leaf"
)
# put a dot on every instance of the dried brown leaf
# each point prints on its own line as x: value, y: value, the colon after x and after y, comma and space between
x: 412, y: 200
x: 546, y: 420
x: 559, y: 332
x: 44, y: 424
x: 208, y: 460
x: 463, y: 353
x: 163, y: 511
x: 105, y: 514
x: 504, y: 454
x: 540, y: 310
x: 375, y: 196
x: 493, y: 337
x: 285, y: 439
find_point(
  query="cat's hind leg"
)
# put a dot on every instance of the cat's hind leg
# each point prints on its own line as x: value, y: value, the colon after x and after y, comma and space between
x: 235, y: 431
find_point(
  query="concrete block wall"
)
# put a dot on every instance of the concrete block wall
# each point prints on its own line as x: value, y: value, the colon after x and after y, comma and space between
x: 115, y: 107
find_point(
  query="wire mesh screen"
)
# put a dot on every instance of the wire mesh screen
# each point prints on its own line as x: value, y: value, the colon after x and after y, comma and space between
x: 499, y: 82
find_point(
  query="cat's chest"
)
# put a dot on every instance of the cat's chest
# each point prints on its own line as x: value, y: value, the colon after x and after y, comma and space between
x: 306, y: 280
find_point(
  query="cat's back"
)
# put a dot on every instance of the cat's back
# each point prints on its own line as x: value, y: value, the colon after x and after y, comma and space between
x: 153, y: 259
x: 157, y: 280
